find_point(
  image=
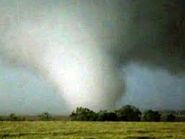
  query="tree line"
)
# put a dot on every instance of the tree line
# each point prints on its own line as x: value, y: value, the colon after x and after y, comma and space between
x: 125, y: 113
x: 45, y: 116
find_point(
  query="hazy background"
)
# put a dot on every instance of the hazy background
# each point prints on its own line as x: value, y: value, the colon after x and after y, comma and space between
x: 26, y: 93
x: 55, y: 55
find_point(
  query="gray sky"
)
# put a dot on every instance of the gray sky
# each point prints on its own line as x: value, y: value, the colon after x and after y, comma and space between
x: 56, y: 55
x: 21, y: 91
x: 156, y: 89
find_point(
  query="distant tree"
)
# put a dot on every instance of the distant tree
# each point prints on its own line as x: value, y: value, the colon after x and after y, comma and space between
x: 151, y: 115
x: 1, y: 118
x: 45, y: 116
x: 128, y: 113
x: 13, y: 117
x: 83, y: 114
x: 106, y: 116
x: 170, y: 118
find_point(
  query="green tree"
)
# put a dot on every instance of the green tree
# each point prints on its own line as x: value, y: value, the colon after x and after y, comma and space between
x: 45, y: 116
x: 128, y: 113
x: 13, y: 117
x: 170, y: 117
x: 106, y: 116
x: 1, y: 118
x: 151, y: 115
x: 83, y: 114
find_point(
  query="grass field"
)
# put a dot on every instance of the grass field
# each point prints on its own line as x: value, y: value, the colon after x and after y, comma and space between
x: 91, y: 130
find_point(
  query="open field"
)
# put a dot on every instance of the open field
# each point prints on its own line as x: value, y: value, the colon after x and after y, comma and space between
x: 87, y: 130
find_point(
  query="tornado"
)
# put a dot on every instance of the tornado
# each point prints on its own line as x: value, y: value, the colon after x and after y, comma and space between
x: 81, y: 46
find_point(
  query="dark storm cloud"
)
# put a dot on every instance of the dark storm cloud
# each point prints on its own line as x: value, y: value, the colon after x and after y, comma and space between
x: 155, y: 34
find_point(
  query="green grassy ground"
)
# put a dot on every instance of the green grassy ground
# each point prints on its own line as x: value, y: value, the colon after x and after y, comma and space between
x: 91, y: 130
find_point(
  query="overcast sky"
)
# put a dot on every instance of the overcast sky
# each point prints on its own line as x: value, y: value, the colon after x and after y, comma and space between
x: 22, y: 91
